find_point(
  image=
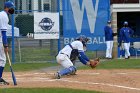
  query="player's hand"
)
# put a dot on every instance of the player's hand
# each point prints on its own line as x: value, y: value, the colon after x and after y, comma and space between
x: 6, y: 49
x: 119, y: 45
x: 88, y: 63
x: 114, y: 34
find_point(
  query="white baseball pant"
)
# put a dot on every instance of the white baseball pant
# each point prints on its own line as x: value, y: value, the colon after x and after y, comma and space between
x: 126, y: 47
x: 109, y: 45
x: 64, y: 60
x: 2, y: 56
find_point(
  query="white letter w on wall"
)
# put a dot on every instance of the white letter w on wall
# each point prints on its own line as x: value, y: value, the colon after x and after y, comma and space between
x: 78, y: 13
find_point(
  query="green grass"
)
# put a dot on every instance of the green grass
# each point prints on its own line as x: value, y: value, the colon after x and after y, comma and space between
x: 29, y: 66
x: 45, y: 90
x: 118, y: 64
x: 110, y: 64
x: 121, y: 64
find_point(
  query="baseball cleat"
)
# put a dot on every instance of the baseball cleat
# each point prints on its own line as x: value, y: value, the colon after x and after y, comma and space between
x: 57, y: 75
x: 2, y: 81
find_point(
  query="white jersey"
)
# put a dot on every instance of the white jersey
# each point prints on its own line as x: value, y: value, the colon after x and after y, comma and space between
x: 3, y: 22
x: 76, y: 45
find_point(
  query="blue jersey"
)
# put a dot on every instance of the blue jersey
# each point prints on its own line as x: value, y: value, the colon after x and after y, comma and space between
x: 125, y: 34
x: 108, y: 33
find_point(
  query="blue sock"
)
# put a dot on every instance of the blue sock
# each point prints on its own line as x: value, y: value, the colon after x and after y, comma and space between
x: 67, y: 70
x: 1, y: 71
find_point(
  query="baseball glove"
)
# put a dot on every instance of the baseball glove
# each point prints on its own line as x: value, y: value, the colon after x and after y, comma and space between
x: 94, y: 63
x: 114, y: 34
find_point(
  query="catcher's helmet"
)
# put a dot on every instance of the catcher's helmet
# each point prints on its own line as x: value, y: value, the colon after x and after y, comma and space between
x: 83, y: 38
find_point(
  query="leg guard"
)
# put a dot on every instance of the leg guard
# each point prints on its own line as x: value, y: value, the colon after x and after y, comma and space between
x: 73, y: 69
x: 66, y: 71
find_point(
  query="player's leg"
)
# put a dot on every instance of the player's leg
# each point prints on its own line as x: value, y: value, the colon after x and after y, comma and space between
x: 2, y: 59
x: 111, y: 47
x: 126, y: 47
x: 2, y: 64
x: 128, y: 52
x: 66, y: 71
x: 69, y: 68
x: 107, y: 49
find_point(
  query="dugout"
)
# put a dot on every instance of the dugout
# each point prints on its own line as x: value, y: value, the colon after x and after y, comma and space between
x: 130, y: 13
x: 133, y: 19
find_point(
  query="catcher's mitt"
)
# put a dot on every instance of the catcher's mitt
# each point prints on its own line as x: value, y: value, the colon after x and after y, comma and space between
x: 94, y: 63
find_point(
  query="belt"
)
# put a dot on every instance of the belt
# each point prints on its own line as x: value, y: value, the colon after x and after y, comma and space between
x: 64, y: 54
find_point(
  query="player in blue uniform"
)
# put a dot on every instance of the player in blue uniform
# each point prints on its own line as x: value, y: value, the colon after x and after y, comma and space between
x: 125, y: 35
x: 109, y: 34
x: 8, y: 9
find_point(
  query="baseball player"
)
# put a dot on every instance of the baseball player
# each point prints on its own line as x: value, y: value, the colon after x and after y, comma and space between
x: 125, y: 35
x: 8, y: 9
x: 68, y: 54
x: 109, y: 39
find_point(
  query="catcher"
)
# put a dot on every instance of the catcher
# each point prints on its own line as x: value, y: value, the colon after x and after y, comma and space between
x: 68, y: 55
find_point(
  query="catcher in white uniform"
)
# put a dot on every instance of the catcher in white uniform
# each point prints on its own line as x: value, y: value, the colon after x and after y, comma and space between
x: 68, y: 54
x: 8, y: 9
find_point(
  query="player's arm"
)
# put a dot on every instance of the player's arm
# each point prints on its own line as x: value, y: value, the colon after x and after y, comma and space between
x: 4, y: 39
x: 121, y: 36
x: 114, y: 33
x: 106, y: 30
x: 83, y: 58
x: 84, y: 61
x: 131, y: 31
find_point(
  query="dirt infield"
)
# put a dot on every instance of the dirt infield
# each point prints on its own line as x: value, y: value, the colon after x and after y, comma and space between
x: 112, y: 81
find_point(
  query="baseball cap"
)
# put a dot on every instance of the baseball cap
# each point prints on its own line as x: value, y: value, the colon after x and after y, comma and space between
x: 108, y: 21
x: 9, y: 4
x: 125, y: 23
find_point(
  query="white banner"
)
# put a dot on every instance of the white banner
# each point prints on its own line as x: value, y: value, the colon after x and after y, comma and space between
x: 46, y: 25
x: 9, y: 31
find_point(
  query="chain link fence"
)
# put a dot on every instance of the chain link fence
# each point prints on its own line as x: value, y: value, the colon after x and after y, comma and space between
x: 26, y: 48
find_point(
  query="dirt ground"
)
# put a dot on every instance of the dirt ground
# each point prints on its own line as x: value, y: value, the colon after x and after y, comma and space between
x: 112, y: 81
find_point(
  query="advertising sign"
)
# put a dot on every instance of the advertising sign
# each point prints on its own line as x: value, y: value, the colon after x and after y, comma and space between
x: 86, y: 17
x: 46, y: 25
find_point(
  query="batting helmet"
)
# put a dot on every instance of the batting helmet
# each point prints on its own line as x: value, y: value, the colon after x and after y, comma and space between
x: 9, y: 4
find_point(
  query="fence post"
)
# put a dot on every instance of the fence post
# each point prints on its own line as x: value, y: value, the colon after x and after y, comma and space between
x: 58, y: 10
x: 13, y: 47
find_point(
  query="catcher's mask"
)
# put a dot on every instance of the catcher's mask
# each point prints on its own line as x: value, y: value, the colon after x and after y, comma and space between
x: 10, y: 5
x: 83, y: 38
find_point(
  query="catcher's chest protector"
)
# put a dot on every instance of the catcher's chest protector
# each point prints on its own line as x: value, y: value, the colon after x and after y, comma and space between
x: 74, y: 54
